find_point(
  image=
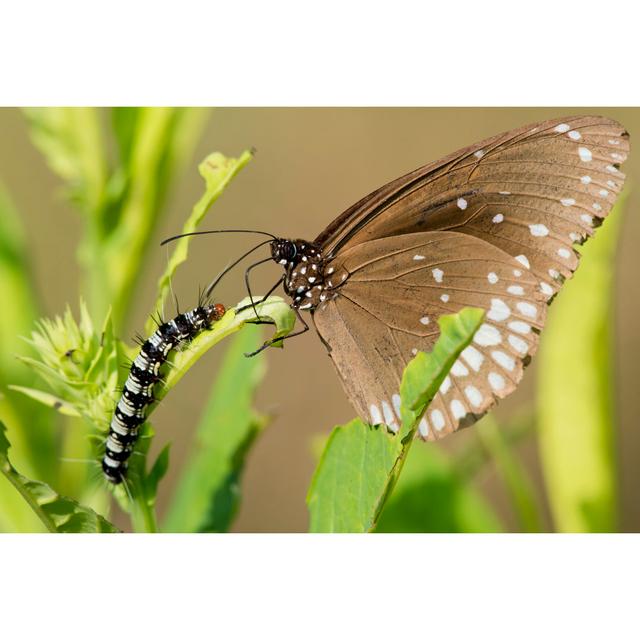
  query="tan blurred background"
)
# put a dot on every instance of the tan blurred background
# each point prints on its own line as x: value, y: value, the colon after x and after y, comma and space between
x: 310, y: 165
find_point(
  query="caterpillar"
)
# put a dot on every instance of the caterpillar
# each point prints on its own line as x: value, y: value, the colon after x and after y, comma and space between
x: 144, y: 373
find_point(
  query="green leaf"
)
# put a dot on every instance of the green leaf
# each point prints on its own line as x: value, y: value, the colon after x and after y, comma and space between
x: 361, y: 463
x: 576, y: 409
x: 48, y: 399
x: 217, y: 171
x: 57, y: 513
x: 208, y: 492
x: 431, y: 496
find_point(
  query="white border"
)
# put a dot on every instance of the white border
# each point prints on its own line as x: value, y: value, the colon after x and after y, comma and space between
x: 304, y: 586
x: 286, y: 52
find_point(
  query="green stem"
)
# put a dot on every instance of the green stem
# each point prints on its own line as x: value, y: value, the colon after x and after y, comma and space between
x: 143, y: 514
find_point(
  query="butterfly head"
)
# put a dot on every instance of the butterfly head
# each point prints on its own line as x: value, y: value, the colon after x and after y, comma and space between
x: 283, y: 251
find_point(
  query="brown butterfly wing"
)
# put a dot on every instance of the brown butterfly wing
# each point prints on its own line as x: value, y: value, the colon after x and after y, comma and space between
x: 526, y: 196
x: 533, y: 192
x: 387, y: 308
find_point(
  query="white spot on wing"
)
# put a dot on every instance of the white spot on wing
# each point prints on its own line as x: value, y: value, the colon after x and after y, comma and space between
x: 487, y: 336
x: 519, y: 326
x: 568, y: 202
x: 585, y: 179
x: 518, y: 344
x: 473, y: 358
x: 496, y: 381
x: 505, y: 361
x: 437, y: 274
x: 423, y: 428
x: 459, y: 370
x: 437, y: 420
x: 395, y: 398
x: 444, y: 297
x: 478, y: 154
x: 376, y: 416
x: 499, y: 310
x: 574, y: 135
x: 515, y: 290
x: 564, y: 253
x: 523, y: 260
x: 445, y: 386
x: 527, y: 309
x: 462, y: 204
x: 389, y: 418
x: 498, y: 218
x: 585, y: 217
x: 562, y: 128
x: 424, y: 320
x: 418, y: 257
x: 474, y: 396
x: 492, y: 277
x: 457, y: 409
x: 585, y: 154
x: 546, y: 288
x: 538, y: 230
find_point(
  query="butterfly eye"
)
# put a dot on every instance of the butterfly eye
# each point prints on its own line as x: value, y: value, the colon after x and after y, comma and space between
x: 283, y: 251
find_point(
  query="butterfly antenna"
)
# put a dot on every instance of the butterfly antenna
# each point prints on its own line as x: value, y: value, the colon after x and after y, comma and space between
x: 202, y: 233
x: 228, y: 268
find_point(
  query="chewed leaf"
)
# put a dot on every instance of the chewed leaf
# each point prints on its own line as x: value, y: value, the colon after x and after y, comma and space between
x: 361, y: 464
x: 57, y: 513
x: 217, y: 171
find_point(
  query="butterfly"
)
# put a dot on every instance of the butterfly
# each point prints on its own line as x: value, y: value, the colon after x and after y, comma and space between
x: 491, y: 226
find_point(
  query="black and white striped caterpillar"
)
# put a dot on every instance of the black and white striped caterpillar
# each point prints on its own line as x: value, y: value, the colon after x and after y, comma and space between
x: 130, y: 412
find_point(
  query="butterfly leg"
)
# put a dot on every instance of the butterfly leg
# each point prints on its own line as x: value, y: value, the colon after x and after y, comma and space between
x: 246, y: 280
x: 268, y: 343
x: 275, y: 286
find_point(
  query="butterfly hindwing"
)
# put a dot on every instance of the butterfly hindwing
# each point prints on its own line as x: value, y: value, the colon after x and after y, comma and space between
x: 387, y: 308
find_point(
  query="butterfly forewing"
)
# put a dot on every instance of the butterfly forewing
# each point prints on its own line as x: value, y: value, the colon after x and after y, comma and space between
x: 492, y: 226
x: 387, y: 311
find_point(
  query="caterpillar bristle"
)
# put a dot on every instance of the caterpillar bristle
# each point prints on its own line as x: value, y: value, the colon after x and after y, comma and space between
x: 137, y: 395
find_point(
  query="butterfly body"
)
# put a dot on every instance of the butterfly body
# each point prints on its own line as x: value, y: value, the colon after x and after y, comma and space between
x: 491, y: 226
x: 307, y: 279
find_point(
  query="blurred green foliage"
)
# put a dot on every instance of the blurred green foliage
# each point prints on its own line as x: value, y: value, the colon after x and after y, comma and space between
x: 576, y: 408
x: 118, y: 166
